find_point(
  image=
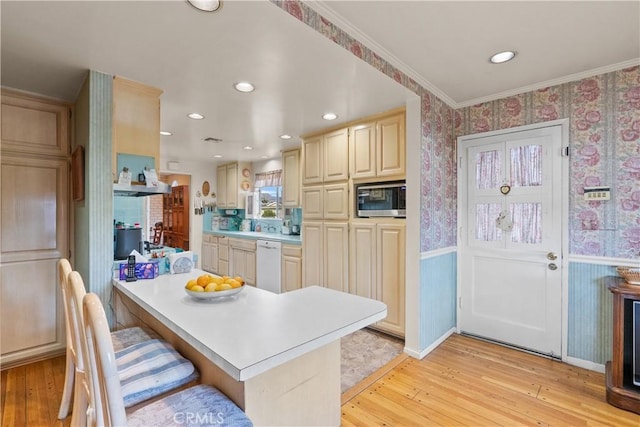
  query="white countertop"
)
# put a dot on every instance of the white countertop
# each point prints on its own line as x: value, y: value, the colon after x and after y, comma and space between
x: 255, y: 235
x: 255, y: 330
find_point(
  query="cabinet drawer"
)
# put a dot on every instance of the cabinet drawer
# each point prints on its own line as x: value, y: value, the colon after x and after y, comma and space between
x: 293, y: 251
x: 208, y: 238
x: 244, y: 244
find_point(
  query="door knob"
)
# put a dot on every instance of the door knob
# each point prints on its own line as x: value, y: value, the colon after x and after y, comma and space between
x: 551, y: 256
x: 553, y: 266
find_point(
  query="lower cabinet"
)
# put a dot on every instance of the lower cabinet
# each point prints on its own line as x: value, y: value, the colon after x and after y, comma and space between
x: 209, y: 257
x: 223, y: 256
x: 291, y: 268
x: 377, y: 268
x: 325, y: 254
x: 242, y: 258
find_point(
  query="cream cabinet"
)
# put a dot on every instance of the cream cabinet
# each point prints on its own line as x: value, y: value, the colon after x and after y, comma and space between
x: 326, y: 158
x: 312, y: 160
x: 377, y: 149
x: 230, y: 194
x: 291, y: 268
x: 335, y: 201
x: 223, y: 256
x: 136, y: 120
x: 242, y: 256
x: 312, y: 202
x: 291, y: 178
x: 209, y: 256
x: 325, y: 246
x: 377, y: 268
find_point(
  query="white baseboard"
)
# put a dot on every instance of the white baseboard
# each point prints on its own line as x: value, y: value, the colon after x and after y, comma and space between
x: 586, y: 364
x: 421, y: 354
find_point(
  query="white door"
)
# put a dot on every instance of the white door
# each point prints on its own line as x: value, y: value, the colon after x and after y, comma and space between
x: 510, y: 242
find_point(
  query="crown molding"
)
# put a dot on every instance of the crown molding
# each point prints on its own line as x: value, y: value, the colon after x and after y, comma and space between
x: 322, y: 7
x: 554, y: 82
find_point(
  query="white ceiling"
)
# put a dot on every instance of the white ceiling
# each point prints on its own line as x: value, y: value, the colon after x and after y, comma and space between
x: 196, y: 57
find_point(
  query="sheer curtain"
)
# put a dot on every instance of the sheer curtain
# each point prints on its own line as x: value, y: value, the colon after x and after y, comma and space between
x: 269, y: 179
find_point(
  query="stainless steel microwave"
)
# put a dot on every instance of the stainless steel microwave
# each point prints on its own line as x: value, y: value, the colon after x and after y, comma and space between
x: 385, y: 199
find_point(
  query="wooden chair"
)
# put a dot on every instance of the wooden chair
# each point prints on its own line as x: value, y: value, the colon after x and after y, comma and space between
x: 157, y: 233
x: 138, y: 360
x: 196, y: 406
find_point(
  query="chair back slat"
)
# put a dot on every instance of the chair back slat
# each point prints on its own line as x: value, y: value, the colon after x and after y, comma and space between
x: 64, y: 268
x: 106, y: 394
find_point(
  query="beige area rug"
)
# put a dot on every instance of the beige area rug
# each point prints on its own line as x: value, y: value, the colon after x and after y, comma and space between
x: 364, y: 352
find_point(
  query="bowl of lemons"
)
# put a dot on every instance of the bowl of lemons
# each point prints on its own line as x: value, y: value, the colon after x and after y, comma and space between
x: 208, y: 286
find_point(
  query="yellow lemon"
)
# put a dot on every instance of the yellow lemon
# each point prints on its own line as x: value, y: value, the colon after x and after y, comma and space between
x: 211, y: 287
x: 203, y: 280
x: 234, y: 283
x: 223, y: 287
x: 197, y: 288
x: 191, y: 283
x: 239, y: 279
x: 218, y: 280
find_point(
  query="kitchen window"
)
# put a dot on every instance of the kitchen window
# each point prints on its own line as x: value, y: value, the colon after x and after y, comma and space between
x: 269, y: 190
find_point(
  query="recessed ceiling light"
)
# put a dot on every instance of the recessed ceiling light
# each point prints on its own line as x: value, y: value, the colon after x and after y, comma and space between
x: 329, y: 116
x: 248, y: 147
x: 195, y: 116
x: 264, y: 156
x: 165, y: 133
x: 501, y: 57
x: 285, y: 136
x: 244, y: 87
x: 206, y: 5
x: 217, y: 156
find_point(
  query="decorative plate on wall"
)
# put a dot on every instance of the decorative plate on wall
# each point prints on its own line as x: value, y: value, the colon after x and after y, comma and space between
x: 205, y: 188
x: 246, y: 172
x: 245, y: 185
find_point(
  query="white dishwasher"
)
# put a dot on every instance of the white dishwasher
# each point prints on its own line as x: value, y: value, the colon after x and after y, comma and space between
x: 268, y: 260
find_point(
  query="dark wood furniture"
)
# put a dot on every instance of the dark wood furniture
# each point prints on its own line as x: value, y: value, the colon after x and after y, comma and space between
x: 175, y: 217
x: 620, y: 389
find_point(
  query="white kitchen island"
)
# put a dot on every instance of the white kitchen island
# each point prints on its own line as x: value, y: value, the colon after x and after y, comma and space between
x: 277, y: 356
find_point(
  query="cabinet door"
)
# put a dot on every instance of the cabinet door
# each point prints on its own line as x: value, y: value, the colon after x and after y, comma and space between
x: 237, y: 265
x: 250, y: 267
x: 362, y: 151
x: 390, y: 275
x: 336, y: 155
x: 291, y: 179
x: 221, y: 184
x: 34, y: 126
x: 213, y: 261
x: 312, y: 160
x: 205, y: 258
x: 335, y: 199
x: 291, y: 268
x: 362, y: 257
x: 232, y: 185
x: 312, y: 253
x: 312, y: 203
x: 336, y: 255
x: 390, y: 146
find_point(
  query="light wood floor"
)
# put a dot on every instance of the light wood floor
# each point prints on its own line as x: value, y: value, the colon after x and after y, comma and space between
x: 463, y: 382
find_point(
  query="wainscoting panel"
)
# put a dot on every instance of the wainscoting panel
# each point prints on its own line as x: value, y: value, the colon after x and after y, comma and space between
x: 437, y: 296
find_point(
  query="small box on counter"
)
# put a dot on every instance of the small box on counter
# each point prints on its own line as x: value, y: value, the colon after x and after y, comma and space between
x: 144, y: 270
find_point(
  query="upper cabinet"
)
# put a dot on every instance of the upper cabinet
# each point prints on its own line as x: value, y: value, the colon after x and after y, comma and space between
x: 136, y: 120
x: 291, y: 178
x: 336, y: 155
x: 312, y: 160
x: 377, y: 149
x: 230, y: 182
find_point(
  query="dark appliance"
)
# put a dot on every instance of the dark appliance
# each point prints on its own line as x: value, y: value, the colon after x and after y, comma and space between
x: 385, y: 199
x: 126, y: 240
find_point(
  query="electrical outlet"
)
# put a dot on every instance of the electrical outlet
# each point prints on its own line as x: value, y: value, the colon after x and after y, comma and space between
x: 593, y: 194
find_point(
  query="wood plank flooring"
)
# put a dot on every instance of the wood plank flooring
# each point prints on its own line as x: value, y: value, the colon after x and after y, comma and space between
x: 463, y: 382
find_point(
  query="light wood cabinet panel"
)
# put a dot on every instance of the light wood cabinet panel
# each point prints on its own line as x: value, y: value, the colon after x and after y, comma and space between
x: 221, y: 186
x: 335, y: 201
x: 312, y: 155
x: 291, y: 179
x: 312, y: 203
x: 209, y: 253
x: 136, y: 120
x: 291, y: 268
x: 390, y: 146
x: 362, y: 150
x: 336, y: 255
x: 312, y: 253
x: 362, y: 256
x: 223, y: 256
x: 243, y: 259
x: 336, y: 155
x: 233, y: 186
x: 32, y: 125
x: 390, y: 272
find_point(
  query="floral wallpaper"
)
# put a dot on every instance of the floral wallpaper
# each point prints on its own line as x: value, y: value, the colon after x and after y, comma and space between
x: 604, y: 112
x: 604, y: 140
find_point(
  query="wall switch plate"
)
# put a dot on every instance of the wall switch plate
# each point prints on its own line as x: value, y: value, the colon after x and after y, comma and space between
x: 593, y: 194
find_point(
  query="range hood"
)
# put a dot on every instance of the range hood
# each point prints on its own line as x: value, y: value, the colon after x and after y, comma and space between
x: 140, y: 190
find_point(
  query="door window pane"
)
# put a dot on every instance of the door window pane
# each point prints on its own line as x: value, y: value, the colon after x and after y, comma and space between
x: 486, y: 215
x: 526, y: 166
x: 527, y: 222
x: 488, y: 169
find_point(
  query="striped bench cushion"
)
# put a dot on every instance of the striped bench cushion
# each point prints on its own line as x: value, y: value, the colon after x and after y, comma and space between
x: 124, y: 338
x: 201, y: 405
x: 150, y: 368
